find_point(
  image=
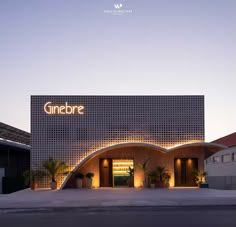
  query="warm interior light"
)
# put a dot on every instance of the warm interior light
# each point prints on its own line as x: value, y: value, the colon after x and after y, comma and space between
x: 121, y: 167
x: 105, y: 163
x: 132, y: 138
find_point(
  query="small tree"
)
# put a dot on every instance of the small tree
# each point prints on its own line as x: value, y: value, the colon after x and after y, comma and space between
x: 32, y: 177
x: 79, y: 176
x: 89, y: 175
x: 55, y: 168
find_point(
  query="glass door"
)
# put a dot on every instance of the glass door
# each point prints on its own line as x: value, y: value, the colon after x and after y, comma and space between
x: 122, y: 170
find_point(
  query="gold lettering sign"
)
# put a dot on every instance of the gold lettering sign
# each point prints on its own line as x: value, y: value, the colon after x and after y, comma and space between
x: 63, y: 109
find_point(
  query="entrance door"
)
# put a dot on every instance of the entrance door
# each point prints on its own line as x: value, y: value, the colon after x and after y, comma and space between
x: 122, y: 172
x: 106, y: 172
x: 184, y: 168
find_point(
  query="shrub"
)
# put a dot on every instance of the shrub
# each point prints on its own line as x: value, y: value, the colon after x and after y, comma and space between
x: 79, y: 176
x: 89, y: 175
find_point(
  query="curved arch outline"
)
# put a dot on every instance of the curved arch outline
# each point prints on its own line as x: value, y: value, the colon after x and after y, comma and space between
x: 157, y: 148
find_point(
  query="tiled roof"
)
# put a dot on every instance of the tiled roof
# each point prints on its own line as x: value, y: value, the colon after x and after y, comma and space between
x: 229, y: 140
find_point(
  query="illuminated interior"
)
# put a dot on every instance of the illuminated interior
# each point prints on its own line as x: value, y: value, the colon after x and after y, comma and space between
x: 120, y: 171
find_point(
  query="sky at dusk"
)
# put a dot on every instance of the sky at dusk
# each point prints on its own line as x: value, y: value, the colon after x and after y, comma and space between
x: 159, y: 47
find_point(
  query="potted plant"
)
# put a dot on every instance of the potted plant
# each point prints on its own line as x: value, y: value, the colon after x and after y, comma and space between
x: 55, y: 168
x: 199, y: 177
x: 130, y: 181
x: 79, y: 180
x: 153, y: 178
x: 145, y: 172
x: 161, y: 172
x: 89, y: 177
x: 167, y: 180
x: 32, y: 177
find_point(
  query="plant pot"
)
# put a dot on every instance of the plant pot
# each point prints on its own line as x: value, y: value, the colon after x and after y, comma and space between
x: 130, y: 182
x: 160, y: 184
x: 79, y: 183
x: 167, y: 185
x: 203, y: 185
x: 145, y: 184
x: 53, y: 185
x: 152, y: 185
x: 33, y: 186
x: 89, y: 183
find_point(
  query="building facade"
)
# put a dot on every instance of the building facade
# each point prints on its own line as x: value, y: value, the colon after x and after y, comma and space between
x: 14, y: 158
x: 221, y: 169
x: 87, y: 131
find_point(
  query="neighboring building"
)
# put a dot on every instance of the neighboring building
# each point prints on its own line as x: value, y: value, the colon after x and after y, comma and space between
x: 221, y: 169
x: 229, y: 140
x: 107, y: 134
x: 14, y: 158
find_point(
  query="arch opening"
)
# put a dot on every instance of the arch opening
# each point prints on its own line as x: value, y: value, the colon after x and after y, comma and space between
x: 139, y: 153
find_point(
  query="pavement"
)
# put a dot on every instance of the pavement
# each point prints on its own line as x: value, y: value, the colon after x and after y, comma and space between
x: 117, y: 197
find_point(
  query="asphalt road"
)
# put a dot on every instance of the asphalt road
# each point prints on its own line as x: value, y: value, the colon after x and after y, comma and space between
x: 120, y: 216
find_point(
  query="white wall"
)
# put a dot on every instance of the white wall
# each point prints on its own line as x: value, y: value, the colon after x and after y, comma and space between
x: 221, y: 175
x: 222, y: 168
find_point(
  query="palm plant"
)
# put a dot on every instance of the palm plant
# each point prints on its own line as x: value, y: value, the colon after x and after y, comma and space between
x: 199, y: 176
x: 55, y: 168
x: 32, y: 177
x: 131, y: 177
x: 161, y: 172
x: 153, y: 178
x: 167, y: 179
x: 145, y: 169
x: 131, y: 171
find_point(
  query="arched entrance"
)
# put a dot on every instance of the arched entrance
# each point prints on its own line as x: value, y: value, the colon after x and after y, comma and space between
x: 138, y: 153
x: 111, y: 156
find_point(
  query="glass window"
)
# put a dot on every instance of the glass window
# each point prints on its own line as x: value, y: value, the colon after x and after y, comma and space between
x: 226, y: 158
x: 216, y: 159
x: 234, y: 156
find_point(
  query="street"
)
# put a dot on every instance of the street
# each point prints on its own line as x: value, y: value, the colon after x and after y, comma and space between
x: 204, y: 216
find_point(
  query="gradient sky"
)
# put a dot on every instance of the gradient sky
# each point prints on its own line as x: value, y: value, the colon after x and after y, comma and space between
x: 164, y: 47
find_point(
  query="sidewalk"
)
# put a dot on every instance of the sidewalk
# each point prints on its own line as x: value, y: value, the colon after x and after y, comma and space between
x: 107, y: 197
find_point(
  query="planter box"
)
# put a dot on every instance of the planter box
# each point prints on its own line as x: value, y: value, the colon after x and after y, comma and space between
x: 33, y: 186
x: 79, y: 183
x: 53, y: 185
x: 152, y: 185
x: 89, y: 183
x: 160, y: 184
x: 203, y: 186
x: 145, y: 184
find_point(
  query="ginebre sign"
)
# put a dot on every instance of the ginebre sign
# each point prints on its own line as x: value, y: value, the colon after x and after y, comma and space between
x: 49, y: 108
